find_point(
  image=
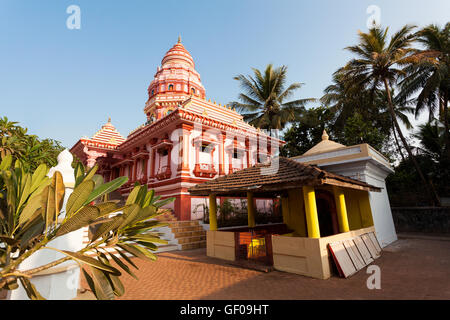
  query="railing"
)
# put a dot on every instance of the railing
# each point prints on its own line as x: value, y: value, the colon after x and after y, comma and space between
x: 254, y: 246
x: 164, y: 172
x: 206, y: 170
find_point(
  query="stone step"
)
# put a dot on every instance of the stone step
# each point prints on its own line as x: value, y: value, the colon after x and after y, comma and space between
x: 186, y: 229
x: 193, y: 245
x: 167, y: 247
x: 187, y: 240
x: 189, y: 233
x: 177, y: 224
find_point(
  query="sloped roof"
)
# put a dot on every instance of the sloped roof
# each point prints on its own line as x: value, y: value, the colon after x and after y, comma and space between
x: 324, y: 145
x: 108, y: 134
x: 271, y: 177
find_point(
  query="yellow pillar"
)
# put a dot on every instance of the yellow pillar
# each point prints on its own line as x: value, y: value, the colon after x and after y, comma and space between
x: 341, y: 208
x: 250, y: 210
x: 365, y: 210
x: 212, y: 212
x: 312, y: 220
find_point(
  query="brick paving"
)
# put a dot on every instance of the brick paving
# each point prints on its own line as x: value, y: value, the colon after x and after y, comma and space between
x: 410, y: 269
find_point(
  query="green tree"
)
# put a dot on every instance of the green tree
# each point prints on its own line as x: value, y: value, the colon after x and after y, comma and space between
x: 378, y: 64
x: 263, y: 103
x: 29, y: 149
x: 428, y: 74
x: 307, y: 131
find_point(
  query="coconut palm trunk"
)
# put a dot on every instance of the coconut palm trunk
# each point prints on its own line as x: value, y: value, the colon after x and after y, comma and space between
x: 431, y: 192
x: 399, y: 148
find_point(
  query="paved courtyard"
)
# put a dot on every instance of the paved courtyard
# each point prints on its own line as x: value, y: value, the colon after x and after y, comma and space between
x: 411, y: 268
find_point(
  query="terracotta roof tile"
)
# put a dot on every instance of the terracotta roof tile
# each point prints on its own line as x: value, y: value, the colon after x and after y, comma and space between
x: 276, y: 175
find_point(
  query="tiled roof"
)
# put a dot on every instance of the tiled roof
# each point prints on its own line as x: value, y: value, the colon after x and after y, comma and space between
x: 272, y: 177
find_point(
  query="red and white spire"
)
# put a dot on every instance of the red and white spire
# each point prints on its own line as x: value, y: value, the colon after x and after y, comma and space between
x: 107, y: 137
x: 175, y: 81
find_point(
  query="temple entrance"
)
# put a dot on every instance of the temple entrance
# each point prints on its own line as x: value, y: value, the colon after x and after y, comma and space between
x: 326, y: 211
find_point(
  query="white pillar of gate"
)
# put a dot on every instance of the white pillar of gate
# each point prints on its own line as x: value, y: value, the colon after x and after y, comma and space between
x: 60, y: 282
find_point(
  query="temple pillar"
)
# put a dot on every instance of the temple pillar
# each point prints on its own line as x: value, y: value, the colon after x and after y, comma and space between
x: 212, y: 212
x: 134, y: 172
x: 185, y: 163
x: 365, y: 210
x: 222, y: 154
x: 145, y: 169
x: 341, y: 209
x: 251, y: 211
x: 312, y: 219
x: 152, y: 166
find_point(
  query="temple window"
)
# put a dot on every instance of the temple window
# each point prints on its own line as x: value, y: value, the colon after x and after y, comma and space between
x: 193, y: 90
x: 170, y: 87
x: 205, y: 148
x: 164, y: 152
x: 153, y: 92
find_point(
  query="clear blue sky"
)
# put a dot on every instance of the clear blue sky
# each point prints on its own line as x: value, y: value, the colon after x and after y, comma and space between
x: 64, y: 84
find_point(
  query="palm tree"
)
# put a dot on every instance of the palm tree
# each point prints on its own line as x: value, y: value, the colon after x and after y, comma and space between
x: 345, y: 97
x: 378, y: 64
x: 429, y: 71
x: 429, y: 74
x: 263, y: 103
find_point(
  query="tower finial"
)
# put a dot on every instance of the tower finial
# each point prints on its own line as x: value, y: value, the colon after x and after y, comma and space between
x: 109, y: 119
x: 179, y: 38
x: 325, y: 135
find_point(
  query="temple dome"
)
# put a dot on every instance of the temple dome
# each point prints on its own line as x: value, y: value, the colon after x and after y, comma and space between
x: 177, y: 77
x: 178, y: 54
x: 324, y: 145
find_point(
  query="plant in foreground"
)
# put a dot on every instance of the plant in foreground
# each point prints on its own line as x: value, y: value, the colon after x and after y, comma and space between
x: 32, y: 215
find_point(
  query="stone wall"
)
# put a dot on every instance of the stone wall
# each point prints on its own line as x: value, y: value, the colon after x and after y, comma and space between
x: 422, y: 219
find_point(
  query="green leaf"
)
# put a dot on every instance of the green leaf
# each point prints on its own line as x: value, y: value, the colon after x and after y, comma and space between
x: 38, y: 177
x: 129, y: 214
x: 116, y: 284
x: 25, y: 190
x: 102, y: 285
x: 78, y: 197
x: 125, y: 257
x: 32, y: 231
x: 148, y: 238
x: 144, y: 214
x: 90, y: 261
x: 107, y: 188
x: 91, y: 173
x: 79, y: 173
x: 137, y: 251
x: 32, y: 206
x: 48, y: 205
x: 163, y: 202
x: 79, y: 220
x: 148, y: 198
x: 6, y: 162
x: 30, y: 289
x: 133, y: 195
x: 121, y: 264
x: 107, y: 208
x: 140, y: 199
x: 58, y: 185
x: 98, y: 179
x: 107, y: 227
x: 90, y: 282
